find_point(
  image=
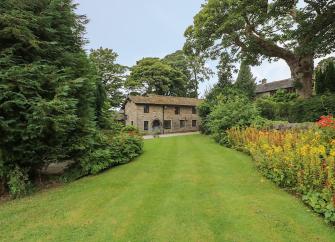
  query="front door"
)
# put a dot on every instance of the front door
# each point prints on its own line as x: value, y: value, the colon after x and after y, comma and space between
x: 156, y: 126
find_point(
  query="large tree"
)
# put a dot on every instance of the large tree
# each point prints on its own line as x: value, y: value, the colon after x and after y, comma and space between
x: 47, y: 91
x: 112, y: 74
x: 292, y: 30
x: 192, y: 67
x: 245, y: 80
x: 154, y: 76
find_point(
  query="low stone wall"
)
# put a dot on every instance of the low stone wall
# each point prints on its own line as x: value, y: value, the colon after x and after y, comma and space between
x: 288, y: 126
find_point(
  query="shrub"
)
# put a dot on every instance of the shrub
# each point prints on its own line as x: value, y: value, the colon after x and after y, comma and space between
x: 230, y: 112
x: 130, y: 129
x: 302, y: 161
x: 273, y: 110
x: 325, y: 76
x: 18, y: 182
x: 310, y: 110
x: 296, y: 110
x: 112, y: 151
x: 276, y: 107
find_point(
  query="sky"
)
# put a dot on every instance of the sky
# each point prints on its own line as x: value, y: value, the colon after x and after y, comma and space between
x: 151, y: 28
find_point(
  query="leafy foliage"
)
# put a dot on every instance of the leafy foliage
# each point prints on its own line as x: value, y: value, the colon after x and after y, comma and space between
x: 52, y: 102
x: 230, y: 108
x: 18, y: 182
x: 112, y: 150
x: 245, y: 81
x: 277, y: 106
x: 152, y: 75
x: 285, y: 106
x: 311, y: 109
x: 192, y: 67
x: 299, y: 160
x: 325, y: 77
x: 112, y: 75
x: 294, y: 31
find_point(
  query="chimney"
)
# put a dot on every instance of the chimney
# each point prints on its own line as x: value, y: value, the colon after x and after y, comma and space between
x: 264, y: 81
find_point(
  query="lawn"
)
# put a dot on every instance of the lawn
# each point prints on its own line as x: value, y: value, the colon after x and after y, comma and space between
x: 181, y: 189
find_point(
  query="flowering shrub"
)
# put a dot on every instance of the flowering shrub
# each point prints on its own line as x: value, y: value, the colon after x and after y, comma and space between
x: 327, y: 121
x: 302, y: 161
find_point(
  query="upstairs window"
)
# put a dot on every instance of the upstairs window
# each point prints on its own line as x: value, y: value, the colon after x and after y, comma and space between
x: 167, y: 124
x: 194, y: 110
x: 177, y: 110
x: 194, y: 123
x: 146, y: 109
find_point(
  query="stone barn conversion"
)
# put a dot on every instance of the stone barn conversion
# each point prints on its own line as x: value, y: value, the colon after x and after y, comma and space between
x: 162, y: 114
x: 268, y: 89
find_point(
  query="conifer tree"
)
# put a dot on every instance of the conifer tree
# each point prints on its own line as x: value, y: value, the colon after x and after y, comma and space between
x: 47, y: 89
x: 245, y: 80
x: 325, y: 76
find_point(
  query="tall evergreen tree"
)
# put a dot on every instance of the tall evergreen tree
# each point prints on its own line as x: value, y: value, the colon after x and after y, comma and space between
x: 325, y: 76
x: 245, y: 80
x: 47, y: 91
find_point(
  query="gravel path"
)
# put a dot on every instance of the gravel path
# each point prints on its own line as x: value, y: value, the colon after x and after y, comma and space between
x: 169, y: 135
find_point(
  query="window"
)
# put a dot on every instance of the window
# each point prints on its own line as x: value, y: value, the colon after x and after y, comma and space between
x: 182, y: 123
x: 194, y: 123
x: 167, y: 124
x: 132, y: 122
x: 177, y: 110
x: 146, y: 108
x: 194, y: 110
x: 146, y: 125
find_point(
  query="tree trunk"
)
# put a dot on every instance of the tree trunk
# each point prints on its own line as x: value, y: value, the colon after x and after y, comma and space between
x: 302, y: 72
x: 2, y: 187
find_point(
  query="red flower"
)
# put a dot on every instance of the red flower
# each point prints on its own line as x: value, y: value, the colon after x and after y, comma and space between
x: 326, y: 121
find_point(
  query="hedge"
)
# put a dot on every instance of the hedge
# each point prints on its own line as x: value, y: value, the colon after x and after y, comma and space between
x: 297, y: 111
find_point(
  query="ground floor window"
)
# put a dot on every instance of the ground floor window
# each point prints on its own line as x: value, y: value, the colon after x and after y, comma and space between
x: 167, y: 124
x: 182, y: 123
x: 132, y: 122
x: 146, y: 125
x: 194, y: 123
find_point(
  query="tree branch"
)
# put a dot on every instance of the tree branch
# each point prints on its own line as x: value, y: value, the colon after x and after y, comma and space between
x: 267, y: 47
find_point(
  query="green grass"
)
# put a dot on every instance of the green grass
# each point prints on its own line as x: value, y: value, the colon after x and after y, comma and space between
x: 181, y: 189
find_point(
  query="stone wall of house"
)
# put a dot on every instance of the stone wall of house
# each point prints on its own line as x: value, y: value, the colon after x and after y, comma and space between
x: 136, y: 116
x: 130, y: 112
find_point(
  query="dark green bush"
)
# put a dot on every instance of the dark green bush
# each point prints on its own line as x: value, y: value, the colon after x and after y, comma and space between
x: 52, y: 102
x: 233, y: 111
x: 276, y: 107
x: 18, y: 182
x: 310, y: 110
x: 297, y: 110
x: 273, y: 110
x: 130, y: 129
x: 112, y: 151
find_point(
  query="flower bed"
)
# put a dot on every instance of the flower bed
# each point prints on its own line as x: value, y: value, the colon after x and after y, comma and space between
x: 302, y: 161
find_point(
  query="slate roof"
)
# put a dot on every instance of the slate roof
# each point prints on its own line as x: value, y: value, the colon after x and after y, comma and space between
x: 273, y: 86
x: 165, y: 100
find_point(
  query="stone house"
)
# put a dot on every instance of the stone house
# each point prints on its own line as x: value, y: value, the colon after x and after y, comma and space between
x: 268, y: 89
x: 162, y: 114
